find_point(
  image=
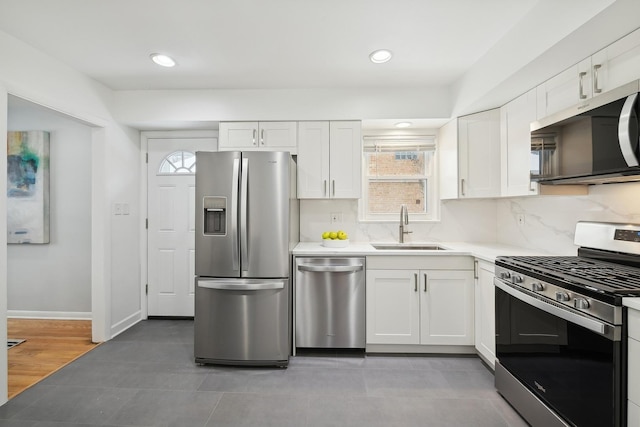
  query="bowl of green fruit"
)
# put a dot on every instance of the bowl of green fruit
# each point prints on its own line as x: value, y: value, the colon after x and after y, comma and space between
x: 335, y: 239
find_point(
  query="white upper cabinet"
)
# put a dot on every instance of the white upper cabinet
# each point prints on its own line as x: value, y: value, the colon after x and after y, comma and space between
x: 329, y: 160
x: 268, y: 136
x: 515, y: 121
x: 613, y: 66
x: 566, y: 89
x: 616, y: 64
x: 448, y: 160
x: 479, y: 154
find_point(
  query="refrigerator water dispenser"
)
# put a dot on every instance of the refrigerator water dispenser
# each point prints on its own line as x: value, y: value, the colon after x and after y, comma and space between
x: 215, y: 213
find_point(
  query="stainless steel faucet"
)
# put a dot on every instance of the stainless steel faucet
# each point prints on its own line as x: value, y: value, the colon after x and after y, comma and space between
x: 404, y: 220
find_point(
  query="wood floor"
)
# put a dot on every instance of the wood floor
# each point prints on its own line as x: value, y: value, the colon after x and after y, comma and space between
x: 49, y: 345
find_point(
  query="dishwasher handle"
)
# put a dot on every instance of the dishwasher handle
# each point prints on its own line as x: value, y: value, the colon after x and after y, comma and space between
x: 330, y: 268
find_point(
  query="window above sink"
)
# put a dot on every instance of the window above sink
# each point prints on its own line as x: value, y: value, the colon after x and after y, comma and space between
x: 399, y: 170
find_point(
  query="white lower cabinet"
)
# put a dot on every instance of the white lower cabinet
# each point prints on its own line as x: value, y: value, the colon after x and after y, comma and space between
x: 633, y: 369
x: 420, y: 306
x: 485, y: 328
x: 633, y: 415
x: 393, y: 307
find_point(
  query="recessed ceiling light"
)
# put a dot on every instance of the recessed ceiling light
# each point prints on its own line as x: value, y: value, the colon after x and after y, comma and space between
x: 381, y: 55
x: 163, y: 60
x: 403, y: 124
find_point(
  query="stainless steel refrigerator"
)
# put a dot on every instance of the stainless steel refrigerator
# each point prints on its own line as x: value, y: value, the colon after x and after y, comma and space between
x: 247, y: 220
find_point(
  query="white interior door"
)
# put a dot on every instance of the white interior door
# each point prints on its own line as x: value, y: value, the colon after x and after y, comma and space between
x: 170, y: 235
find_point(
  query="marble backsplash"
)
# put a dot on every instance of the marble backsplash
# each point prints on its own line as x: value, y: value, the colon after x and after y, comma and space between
x: 461, y: 220
x: 549, y: 221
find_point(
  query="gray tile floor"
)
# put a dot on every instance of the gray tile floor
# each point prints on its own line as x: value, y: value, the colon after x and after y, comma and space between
x: 147, y: 377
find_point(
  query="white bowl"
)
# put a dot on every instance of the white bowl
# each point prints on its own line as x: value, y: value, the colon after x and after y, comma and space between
x: 335, y: 243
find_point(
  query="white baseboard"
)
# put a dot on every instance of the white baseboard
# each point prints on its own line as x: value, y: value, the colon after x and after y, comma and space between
x: 415, y: 348
x: 125, y: 324
x: 61, y: 315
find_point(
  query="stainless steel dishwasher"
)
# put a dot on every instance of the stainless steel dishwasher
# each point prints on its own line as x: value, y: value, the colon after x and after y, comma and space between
x: 330, y: 302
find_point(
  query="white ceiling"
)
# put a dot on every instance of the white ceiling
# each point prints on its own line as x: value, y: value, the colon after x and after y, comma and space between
x: 278, y: 44
x: 255, y: 44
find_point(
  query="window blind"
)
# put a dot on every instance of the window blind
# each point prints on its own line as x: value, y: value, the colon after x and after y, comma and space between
x: 377, y: 144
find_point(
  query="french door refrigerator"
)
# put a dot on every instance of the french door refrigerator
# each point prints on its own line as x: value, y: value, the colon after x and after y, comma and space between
x: 247, y: 220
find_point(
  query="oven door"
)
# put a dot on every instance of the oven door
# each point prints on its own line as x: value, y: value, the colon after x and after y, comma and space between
x: 572, y: 363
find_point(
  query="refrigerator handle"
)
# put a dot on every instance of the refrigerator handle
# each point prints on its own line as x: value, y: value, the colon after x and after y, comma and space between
x: 240, y: 286
x: 244, y: 233
x: 234, y: 213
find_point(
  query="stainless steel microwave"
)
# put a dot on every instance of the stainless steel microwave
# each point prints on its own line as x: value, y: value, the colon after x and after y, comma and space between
x: 594, y: 142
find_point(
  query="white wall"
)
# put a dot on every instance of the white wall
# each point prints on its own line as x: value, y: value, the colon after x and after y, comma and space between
x: 3, y: 245
x: 54, y: 280
x: 115, y: 170
x: 166, y: 109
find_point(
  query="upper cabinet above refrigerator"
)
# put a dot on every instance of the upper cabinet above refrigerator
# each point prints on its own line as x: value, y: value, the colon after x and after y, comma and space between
x: 258, y: 136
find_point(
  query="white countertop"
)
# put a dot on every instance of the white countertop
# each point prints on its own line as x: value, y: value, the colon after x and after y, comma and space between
x: 631, y: 302
x: 485, y: 251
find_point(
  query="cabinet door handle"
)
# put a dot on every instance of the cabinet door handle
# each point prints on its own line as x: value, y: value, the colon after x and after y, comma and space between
x: 254, y: 137
x: 333, y: 184
x: 262, y: 136
x: 415, y: 282
x: 462, y: 186
x: 425, y: 282
x: 596, y: 89
x: 475, y: 269
x: 325, y: 187
x: 581, y: 85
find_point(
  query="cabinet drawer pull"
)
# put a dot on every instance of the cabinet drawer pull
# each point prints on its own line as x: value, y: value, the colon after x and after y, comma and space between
x: 581, y: 86
x: 262, y: 136
x: 254, y: 137
x: 596, y: 89
x: 415, y: 282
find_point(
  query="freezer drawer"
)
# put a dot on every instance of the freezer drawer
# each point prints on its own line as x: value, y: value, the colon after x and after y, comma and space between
x: 242, y: 321
x: 330, y: 302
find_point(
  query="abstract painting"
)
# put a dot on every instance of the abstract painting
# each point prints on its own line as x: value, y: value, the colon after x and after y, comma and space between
x: 28, y: 187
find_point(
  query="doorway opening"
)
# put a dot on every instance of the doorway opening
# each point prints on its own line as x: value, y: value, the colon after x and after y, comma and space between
x: 49, y: 288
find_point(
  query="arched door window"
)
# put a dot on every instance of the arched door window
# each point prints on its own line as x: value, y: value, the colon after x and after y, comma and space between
x: 178, y: 163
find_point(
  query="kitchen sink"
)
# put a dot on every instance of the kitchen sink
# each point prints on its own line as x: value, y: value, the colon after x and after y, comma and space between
x: 408, y: 247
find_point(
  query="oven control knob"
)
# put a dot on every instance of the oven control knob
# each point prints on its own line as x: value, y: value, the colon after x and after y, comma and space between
x: 581, y: 303
x: 537, y: 287
x: 562, y: 296
x: 505, y: 275
x: 517, y: 279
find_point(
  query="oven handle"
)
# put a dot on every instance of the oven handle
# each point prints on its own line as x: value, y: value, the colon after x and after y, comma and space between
x: 592, y: 325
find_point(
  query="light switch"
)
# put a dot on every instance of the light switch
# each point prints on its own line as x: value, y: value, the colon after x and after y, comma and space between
x: 117, y: 209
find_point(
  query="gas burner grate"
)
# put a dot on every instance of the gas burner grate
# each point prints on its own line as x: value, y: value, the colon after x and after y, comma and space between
x: 601, y: 275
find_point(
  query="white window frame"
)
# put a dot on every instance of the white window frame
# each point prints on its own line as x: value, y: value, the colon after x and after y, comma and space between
x: 404, y: 143
x: 178, y: 170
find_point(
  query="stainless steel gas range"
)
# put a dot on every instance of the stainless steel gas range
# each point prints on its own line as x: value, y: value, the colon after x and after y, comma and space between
x: 560, y: 328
